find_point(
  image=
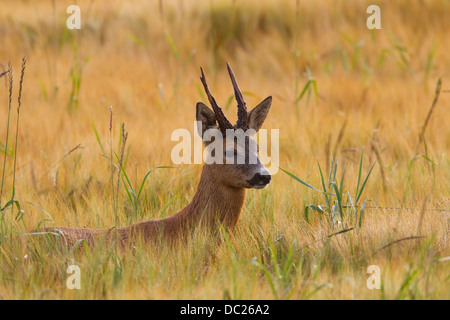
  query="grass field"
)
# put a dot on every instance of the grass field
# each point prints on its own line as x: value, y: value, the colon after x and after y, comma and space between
x: 341, y: 93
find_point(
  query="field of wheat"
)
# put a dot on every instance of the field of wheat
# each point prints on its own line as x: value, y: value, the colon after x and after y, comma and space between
x: 345, y: 98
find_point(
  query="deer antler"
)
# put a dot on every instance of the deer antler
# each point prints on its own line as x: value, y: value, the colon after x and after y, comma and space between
x: 220, y: 117
x: 242, y: 108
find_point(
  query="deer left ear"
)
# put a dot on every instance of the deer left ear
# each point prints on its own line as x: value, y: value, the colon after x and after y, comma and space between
x: 207, y: 118
x: 257, y: 116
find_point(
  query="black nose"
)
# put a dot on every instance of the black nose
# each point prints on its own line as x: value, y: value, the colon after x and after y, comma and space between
x: 259, y: 180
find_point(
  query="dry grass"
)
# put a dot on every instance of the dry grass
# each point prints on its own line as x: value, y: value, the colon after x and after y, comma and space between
x: 143, y: 59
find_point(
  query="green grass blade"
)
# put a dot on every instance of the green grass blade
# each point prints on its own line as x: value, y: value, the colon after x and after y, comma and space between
x: 359, y: 174
x: 268, y: 277
x: 288, y: 262
x: 316, y: 95
x: 75, y: 246
x: 146, y: 176
x: 339, y: 197
x: 313, y: 207
x: 324, y: 186
x: 361, y: 213
x: 130, y: 194
x: 172, y: 45
x: 163, y: 212
x: 317, y: 289
x: 308, y: 83
x: 364, y: 184
x: 98, y: 137
x: 48, y: 214
x: 341, y: 184
x: 124, y: 173
x: 331, y: 172
x: 299, y: 180
x: 334, y: 172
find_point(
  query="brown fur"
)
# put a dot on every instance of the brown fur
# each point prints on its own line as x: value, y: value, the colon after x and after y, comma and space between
x: 213, y: 204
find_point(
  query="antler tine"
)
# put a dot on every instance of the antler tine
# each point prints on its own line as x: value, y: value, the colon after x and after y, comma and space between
x: 220, y: 117
x: 242, y: 108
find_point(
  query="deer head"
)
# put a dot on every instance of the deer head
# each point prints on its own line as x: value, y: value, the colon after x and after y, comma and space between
x: 238, y: 164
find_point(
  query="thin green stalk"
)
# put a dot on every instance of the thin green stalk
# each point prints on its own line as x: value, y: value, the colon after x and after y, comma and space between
x: 19, y: 100
x: 10, y: 83
x: 110, y: 157
x: 325, y: 190
x: 122, y: 151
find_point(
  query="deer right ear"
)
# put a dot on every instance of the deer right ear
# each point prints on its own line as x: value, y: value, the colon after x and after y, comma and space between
x: 257, y: 116
x: 207, y: 118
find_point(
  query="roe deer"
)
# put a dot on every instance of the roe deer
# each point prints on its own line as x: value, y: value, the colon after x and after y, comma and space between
x: 221, y: 190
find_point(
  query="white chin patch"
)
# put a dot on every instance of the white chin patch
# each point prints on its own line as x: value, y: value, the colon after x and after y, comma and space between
x: 259, y: 186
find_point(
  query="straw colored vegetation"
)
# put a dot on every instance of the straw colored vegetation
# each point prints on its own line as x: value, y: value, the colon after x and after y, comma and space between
x: 341, y: 93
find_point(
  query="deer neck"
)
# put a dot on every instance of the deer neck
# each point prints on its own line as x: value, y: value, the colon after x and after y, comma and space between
x: 213, y: 203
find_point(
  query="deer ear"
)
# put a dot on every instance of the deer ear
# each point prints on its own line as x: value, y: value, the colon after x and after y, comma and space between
x: 256, y: 117
x: 207, y: 118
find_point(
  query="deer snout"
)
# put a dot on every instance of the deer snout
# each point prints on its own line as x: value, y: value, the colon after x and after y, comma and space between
x: 259, y: 181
